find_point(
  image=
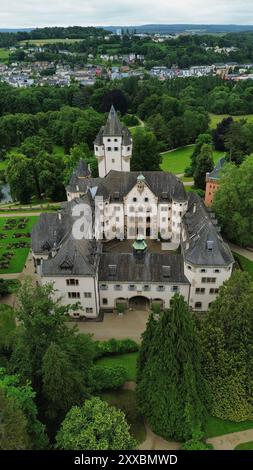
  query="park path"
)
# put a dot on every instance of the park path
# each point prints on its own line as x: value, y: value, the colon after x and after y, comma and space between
x: 230, y: 441
x: 19, y: 214
x: 242, y: 251
x: 173, y: 150
x: 152, y: 441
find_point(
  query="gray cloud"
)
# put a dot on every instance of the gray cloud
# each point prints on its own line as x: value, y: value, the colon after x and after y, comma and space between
x: 29, y: 13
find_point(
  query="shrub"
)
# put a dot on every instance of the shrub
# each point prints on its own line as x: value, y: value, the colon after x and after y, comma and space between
x: 121, y: 308
x: 196, y: 443
x: 130, y: 120
x: 114, y: 346
x: 156, y: 308
x: 193, y: 444
x: 105, y: 378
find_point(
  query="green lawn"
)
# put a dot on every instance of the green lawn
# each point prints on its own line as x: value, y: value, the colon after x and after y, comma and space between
x: 176, y: 161
x: 245, y: 446
x: 3, y: 164
x: 126, y: 360
x: 18, y: 260
x: 218, y: 427
x: 4, y: 54
x: 216, y: 118
x: 58, y: 150
x: 125, y: 400
x: 40, y: 42
x: 245, y: 264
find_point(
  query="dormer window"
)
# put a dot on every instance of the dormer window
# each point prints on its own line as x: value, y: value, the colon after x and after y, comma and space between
x: 112, y: 269
x: 209, y: 245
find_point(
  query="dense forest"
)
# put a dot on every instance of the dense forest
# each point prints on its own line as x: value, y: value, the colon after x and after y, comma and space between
x: 183, y: 50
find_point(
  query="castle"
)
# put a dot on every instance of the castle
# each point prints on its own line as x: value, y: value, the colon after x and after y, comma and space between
x: 148, y: 238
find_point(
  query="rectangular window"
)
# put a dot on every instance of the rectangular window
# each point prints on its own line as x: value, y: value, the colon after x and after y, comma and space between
x: 209, y: 280
x: 104, y: 301
x: 72, y: 282
x: 198, y: 305
x: 175, y: 288
x: 146, y: 287
x: 109, y: 149
x: 117, y: 287
x: 89, y: 310
x: 213, y: 291
x: 74, y: 295
x: 131, y: 287
x: 200, y: 290
x: 160, y: 288
x: 116, y: 149
x: 87, y: 295
x: 103, y: 287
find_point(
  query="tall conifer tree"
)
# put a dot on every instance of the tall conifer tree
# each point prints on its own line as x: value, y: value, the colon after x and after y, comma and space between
x: 171, y: 391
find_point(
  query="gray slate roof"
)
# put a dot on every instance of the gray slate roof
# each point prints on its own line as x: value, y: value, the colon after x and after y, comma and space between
x: 75, y: 257
x: 113, y: 128
x: 129, y: 269
x: 202, y: 234
x: 215, y: 174
x: 164, y: 185
x: 53, y: 228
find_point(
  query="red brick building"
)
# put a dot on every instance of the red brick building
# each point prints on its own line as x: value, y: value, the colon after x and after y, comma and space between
x: 213, y: 181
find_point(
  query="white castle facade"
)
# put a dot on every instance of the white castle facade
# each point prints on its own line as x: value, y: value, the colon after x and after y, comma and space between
x: 150, y: 238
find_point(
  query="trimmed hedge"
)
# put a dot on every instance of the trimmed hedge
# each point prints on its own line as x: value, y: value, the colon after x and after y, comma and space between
x: 193, y: 444
x: 106, y: 378
x: 115, y: 346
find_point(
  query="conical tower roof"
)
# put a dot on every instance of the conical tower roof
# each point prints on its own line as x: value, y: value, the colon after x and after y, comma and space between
x: 113, y: 125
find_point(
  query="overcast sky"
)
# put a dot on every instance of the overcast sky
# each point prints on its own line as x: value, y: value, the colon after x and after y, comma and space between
x: 30, y: 13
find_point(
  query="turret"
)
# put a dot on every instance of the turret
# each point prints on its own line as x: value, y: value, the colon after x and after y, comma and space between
x: 113, y: 146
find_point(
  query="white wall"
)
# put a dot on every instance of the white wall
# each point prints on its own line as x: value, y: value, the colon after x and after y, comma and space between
x: 86, y: 284
x: 195, y: 277
x: 112, y: 295
x: 117, y: 158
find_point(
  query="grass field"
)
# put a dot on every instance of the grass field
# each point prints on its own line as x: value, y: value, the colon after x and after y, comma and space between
x: 176, y: 161
x: 245, y: 446
x: 218, y: 427
x: 126, y: 360
x: 216, y: 118
x: 18, y: 260
x: 40, y: 42
x: 245, y: 264
x: 4, y: 54
x: 125, y: 400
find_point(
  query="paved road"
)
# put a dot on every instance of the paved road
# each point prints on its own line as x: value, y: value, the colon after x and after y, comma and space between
x: 155, y: 442
x: 230, y: 441
x: 131, y: 325
x: 242, y: 251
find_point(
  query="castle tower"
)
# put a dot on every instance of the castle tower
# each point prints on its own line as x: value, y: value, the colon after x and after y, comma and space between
x: 113, y: 146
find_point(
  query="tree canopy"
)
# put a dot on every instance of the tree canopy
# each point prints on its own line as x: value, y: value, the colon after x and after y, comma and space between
x: 227, y: 346
x: 171, y: 391
x: 233, y: 202
x: 95, y: 426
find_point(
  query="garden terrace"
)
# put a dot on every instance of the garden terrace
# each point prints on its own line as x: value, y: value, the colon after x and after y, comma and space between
x: 14, y: 242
